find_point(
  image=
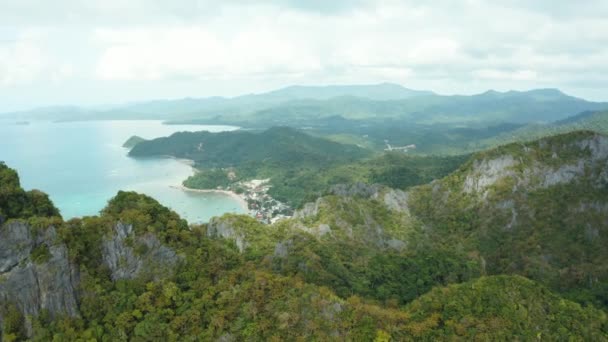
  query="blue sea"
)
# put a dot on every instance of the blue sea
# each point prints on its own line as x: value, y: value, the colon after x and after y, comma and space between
x: 82, y: 165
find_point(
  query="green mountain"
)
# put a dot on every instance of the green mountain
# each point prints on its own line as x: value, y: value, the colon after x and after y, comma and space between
x: 382, y: 91
x: 501, y: 308
x: 297, y: 105
x: 138, y: 272
x: 587, y: 120
x: 537, y: 209
x: 211, y: 107
x: 287, y: 156
x: 543, y: 105
x: 275, y: 145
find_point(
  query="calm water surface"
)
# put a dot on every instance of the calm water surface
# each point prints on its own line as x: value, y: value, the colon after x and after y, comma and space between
x: 81, y: 165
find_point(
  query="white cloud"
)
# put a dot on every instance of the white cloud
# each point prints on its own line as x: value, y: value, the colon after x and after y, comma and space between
x: 193, y: 52
x: 517, y: 75
x: 28, y: 59
x: 21, y: 61
x: 190, y: 45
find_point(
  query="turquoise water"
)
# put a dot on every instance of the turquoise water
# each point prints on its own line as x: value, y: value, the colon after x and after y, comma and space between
x: 81, y: 165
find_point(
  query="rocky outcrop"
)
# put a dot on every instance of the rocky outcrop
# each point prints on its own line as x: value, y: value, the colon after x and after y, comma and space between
x: 310, y: 209
x: 585, y: 157
x: 487, y: 172
x: 129, y: 256
x: 281, y: 249
x: 36, y: 273
x: 221, y: 228
x: 47, y: 281
x: 356, y: 190
x: 597, y: 145
x: 396, y: 200
x: 563, y: 174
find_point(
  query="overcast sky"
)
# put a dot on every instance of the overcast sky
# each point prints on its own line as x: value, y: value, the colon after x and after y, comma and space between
x: 87, y: 52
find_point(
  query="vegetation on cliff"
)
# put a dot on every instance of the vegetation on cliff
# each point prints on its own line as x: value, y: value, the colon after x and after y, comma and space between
x: 18, y: 203
x: 509, y: 246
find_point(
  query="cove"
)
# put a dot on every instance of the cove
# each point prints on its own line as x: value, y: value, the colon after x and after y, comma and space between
x: 81, y: 165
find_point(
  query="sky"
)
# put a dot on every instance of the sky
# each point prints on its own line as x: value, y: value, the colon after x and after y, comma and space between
x: 91, y: 52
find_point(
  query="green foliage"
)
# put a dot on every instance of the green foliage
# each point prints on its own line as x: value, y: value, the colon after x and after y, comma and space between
x: 502, y: 308
x: 18, y: 203
x: 13, y: 323
x: 397, y: 170
x: 288, y: 157
x: 146, y: 215
x: 41, y: 254
x: 518, y: 225
x: 400, y: 171
x: 209, y: 179
x: 280, y: 145
x: 83, y: 237
x: 354, y: 269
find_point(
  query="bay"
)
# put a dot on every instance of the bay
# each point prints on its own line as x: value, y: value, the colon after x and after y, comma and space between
x: 81, y: 165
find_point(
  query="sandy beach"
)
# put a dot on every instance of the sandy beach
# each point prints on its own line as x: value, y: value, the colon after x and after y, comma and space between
x: 188, y: 162
x: 232, y: 194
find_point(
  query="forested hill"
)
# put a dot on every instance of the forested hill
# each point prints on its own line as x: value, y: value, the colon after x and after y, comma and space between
x: 587, y: 120
x: 357, y: 265
x: 277, y: 145
x: 16, y: 203
x: 538, y: 209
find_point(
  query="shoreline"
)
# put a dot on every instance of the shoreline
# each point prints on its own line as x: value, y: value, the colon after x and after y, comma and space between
x: 232, y: 194
x: 188, y: 162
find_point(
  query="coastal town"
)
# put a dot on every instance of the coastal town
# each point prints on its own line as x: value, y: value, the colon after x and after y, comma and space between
x: 254, y: 198
x: 260, y: 204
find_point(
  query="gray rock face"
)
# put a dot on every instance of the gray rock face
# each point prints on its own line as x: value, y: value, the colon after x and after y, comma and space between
x: 49, y: 285
x: 309, y: 209
x: 593, y: 162
x: 356, y: 189
x: 15, y: 245
x: 397, y: 200
x: 129, y: 256
x: 597, y: 145
x: 323, y: 229
x: 396, y: 244
x: 223, y: 229
x: 51, y: 282
x: 487, y: 172
x: 564, y: 174
x: 281, y: 249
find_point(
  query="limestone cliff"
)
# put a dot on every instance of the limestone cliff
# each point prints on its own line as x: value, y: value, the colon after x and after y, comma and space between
x: 129, y: 256
x: 35, y: 272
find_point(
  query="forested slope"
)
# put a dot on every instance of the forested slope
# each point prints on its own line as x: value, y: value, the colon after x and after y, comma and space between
x: 442, y: 261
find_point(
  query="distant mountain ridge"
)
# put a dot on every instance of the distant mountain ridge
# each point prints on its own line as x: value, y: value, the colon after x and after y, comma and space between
x: 299, y: 103
x: 165, y: 109
x: 381, y: 92
x: 587, y: 120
